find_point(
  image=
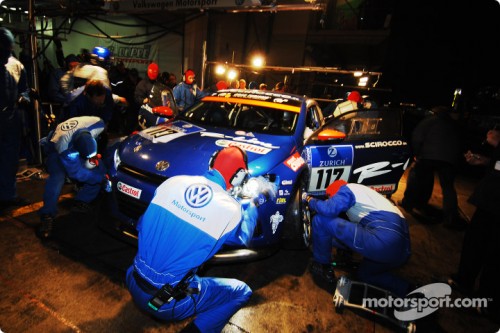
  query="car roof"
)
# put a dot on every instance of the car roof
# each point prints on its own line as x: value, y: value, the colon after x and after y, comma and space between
x: 284, y: 101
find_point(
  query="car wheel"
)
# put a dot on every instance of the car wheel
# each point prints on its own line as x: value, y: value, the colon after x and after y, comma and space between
x: 297, y: 226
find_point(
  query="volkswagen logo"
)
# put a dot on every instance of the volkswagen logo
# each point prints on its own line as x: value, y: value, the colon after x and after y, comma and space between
x: 198, y: 195
x: 162, y: 165
x: 332, y: 151
x: 69, y: 125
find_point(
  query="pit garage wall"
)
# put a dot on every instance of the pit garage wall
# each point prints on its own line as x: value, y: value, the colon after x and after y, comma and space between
x: 231, y: 38
x: 135, y: 52
x: 280, y: 37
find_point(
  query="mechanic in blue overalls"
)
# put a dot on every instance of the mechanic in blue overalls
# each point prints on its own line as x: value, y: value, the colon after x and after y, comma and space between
x: 71, y: 151
x: 187, y: 92
x: 186, y: 223
x: 375, y: 228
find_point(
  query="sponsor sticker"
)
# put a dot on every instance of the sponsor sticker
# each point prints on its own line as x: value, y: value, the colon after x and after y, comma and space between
x: 245, y: 146
x: 275, y: 220
x: 294, y: 162
x: 129, y: 190
x: 384, y: 188
x: 280, y: 201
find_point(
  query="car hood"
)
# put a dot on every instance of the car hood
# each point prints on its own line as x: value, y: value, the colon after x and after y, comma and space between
x: 184, y: 148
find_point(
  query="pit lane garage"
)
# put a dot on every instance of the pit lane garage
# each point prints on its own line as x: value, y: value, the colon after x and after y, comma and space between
x: 289, y: 145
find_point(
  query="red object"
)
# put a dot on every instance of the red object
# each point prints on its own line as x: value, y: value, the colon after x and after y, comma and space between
x: 228, y: 162
x: 189, y: 76
x: 153, y: 71
x: 163, y: 111
x: 221, y: 85
x: 355, y: 97
x: 334, y: 187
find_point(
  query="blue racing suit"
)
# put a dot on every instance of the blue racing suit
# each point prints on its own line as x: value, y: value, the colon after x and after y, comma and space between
x: 186, y: 223
x: 63, y: 160
x: 186, y: 95
x: 376, y: 229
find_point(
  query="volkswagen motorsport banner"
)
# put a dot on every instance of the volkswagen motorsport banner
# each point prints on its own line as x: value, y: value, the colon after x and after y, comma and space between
x: 141, y: 6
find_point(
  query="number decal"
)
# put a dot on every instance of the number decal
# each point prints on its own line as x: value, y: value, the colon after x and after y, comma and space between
x: 322, y: 177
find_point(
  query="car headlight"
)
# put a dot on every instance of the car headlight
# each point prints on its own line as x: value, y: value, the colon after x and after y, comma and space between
x: 116, y: 159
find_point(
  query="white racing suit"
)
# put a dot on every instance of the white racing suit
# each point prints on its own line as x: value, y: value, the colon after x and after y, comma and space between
x: 186, y: 223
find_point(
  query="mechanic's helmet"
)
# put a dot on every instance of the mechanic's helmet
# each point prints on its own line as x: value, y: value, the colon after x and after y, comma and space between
x: 221, y: 85
x: 153, y: 71
x: 232, y: 164
x: 189, y: 76
x: 85, y: 144
x: 334, y: 187
x: 101, y: 56
x: 253, y: 85
x: 355, y: 96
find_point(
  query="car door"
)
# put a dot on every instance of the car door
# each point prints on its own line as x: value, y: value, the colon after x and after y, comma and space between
x: 368, y: 148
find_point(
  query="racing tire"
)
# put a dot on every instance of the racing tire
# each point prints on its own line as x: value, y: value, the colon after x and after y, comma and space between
x: 298, y: 223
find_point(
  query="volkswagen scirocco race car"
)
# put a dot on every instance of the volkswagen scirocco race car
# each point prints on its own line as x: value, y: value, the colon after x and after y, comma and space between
x: 287, y: 143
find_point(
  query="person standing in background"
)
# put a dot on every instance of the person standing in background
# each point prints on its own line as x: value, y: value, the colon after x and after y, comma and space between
x: 14, y: 92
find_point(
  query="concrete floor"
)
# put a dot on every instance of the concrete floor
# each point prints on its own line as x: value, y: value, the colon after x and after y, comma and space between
x: 75, y: 284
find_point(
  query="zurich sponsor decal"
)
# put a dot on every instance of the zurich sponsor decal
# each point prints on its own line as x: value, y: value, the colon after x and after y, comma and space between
x: 332, y: 151
x: 198, y: 195
x: 331, y: 156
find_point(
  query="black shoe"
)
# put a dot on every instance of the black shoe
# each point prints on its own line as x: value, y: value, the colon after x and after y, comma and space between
x: 16, y: 202
x: 324, y: 271
x: 45, y: 229
x: 81, y: 207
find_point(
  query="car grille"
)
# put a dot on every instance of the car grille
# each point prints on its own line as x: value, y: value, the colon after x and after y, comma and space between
x: 129, y: 206
x: 141, y: 175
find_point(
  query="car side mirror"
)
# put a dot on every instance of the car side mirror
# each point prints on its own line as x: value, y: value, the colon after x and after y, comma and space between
x: 330, y: 134
x: 163, y: 111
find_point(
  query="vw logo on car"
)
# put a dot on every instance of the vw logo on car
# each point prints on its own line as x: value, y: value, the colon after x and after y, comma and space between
x: 198, y: 195
x: 162, y: 165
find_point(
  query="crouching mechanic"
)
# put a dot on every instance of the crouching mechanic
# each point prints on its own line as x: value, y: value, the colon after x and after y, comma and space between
x: 71, y: 151
x: 186, y: 223
x: 376, y: 229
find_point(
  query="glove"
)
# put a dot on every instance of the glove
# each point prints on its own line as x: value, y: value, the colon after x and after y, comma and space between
x: 93, y: 161
x: 108, y: 185
x: 306, y: 197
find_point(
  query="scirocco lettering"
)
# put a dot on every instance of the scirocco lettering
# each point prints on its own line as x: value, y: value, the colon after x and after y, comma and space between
x: 385, y: 144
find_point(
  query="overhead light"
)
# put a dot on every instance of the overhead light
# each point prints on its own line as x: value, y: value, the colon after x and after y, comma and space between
x: 231, y: 74
x: 358, y: 74
x: 220, y: 69
x: 258, y: 61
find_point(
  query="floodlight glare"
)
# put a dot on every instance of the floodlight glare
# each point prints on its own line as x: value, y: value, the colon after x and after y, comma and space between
x: 231, y: 74
x: 258, y: 61
x: 220, y: 69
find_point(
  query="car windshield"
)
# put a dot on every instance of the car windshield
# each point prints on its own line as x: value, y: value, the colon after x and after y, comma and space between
x: 250, y: 117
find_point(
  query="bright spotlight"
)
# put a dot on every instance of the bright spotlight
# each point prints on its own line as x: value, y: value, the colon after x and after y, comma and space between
x: 232, y: 74
x: 220, y: 69
x: 258, y: 61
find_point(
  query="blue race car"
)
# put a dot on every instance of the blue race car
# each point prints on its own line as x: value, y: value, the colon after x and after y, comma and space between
x: 288, y: 144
